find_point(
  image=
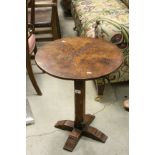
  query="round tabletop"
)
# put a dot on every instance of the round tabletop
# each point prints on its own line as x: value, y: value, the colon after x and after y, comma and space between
x: 79, y: 58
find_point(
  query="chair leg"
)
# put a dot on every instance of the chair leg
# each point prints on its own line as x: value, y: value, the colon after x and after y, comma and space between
x: 100, y: 90
x: 32, y: 78
x: 55, y: 23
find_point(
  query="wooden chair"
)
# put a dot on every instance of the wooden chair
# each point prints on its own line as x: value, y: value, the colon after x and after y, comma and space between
x: 51, y: 27
x: 31, y: 48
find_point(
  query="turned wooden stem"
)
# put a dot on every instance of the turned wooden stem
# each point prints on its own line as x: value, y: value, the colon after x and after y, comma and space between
x: 79, y: 91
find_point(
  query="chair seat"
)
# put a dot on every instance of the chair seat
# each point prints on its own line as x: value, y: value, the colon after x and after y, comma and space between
x: 32, y: 43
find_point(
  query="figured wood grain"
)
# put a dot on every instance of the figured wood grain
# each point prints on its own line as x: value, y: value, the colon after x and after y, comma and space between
x: 79, y: 58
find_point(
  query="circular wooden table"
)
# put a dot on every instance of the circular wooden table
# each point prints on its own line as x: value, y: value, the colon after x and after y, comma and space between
x: 79, y: 59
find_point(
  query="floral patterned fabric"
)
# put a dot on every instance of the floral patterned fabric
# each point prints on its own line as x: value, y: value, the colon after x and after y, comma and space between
x: 107, y: 19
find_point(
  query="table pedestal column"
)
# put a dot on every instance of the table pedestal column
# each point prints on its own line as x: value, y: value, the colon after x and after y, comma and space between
x: 82, y: 121
x: 79, y: 91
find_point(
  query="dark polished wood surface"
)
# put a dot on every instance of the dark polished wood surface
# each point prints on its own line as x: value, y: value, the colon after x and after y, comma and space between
x: 79, y: 58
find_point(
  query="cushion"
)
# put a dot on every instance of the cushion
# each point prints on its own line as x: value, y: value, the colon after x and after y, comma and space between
x: 87, y: 12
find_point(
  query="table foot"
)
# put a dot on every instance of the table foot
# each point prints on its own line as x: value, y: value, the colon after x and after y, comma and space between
x: 65, y: 125
x: 95, y: 134
x: 88, y: 118
x: 72, y: 139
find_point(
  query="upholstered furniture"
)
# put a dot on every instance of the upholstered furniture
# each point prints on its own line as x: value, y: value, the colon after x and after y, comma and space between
x: 107, y: 19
